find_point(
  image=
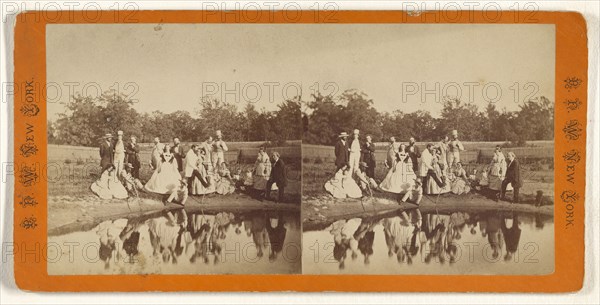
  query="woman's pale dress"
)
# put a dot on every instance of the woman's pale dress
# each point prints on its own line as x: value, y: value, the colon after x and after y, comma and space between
x: 401, y: 177
x: 108, y: 186
x: 262, y: 171
x: 197, y: 187
x: 165, y: 178
x: 334, y: 185
x: 350, y: 186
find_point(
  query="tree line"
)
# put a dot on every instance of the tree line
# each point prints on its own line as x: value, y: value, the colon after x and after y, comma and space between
x: 86, y: 119
x: 325, y: 117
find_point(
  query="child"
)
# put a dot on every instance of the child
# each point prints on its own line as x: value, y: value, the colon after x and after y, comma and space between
x: 180, y: 194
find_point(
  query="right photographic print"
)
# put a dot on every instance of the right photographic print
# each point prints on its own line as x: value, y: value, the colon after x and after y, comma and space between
x: 430, y: 150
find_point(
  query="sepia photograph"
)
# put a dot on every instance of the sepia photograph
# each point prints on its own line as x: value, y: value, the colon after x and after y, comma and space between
x: 434, y: 151
x: 166, y: 155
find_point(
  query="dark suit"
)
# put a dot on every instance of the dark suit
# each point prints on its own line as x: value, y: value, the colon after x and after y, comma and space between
x: 279, y: 177
x: 512, y: 235
x: 277, y: 234
x: 414, y: 157
x: 132, y: 156
x: 368, y: 156
x: 177, y: 153
x: 513, y: 176
x: 341, y: 154
x: 106, y: 155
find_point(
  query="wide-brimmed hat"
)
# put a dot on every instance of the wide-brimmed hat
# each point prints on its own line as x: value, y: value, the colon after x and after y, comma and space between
x: 128, y: 165
x: 363, y: 164
x: 343, y: 135
x: 108, y: 135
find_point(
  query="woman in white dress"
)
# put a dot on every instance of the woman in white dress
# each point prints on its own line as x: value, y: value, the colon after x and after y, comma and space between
x: 165, y: 178
x: 432, y: 187
x: 349, y: 184
x: 497, y: 170
x: 401, y: 177
x: 225, y: 183
x: 334, y: 185
x: 262, y: 170
x: 108, y: 186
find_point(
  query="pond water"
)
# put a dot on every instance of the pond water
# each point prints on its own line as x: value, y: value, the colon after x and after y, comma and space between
x: 452, y: 242
x: 180, y: 242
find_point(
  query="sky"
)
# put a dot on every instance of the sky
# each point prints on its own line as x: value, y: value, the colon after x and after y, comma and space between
x: 170, y: 67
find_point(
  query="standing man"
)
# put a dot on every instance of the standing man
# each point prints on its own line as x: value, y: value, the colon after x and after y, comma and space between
x: 513, y: 176
x: 368, y: 156
x: 278, y: 176
x: 454, y: 148
x: 156, y: 152
x: 191, y: 167
x: 133, y: 157
x: 177, y: 153
x: 119, y: 158
x: 390, y: 160
x: 341, y: 151
x: 354, y: 147
x: 414, y: 153
x: 219, y: 149
x: 106, y: 152
x: 426, y: 170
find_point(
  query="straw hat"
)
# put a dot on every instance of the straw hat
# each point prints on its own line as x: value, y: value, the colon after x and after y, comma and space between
x: 343, y: 135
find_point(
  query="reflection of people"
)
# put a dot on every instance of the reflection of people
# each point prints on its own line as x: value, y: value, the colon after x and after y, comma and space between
x: 276, y: 235
x: 512, y: 236
x: 341, y: 151
x: 166, y: 235
x: 259, y: 232
x: 278, y: 177
x: 513, y: 177
x: 365, y: 236
x: 494, y: 234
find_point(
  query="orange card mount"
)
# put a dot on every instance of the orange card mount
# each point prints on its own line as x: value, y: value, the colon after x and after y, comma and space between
x: 40, y: 244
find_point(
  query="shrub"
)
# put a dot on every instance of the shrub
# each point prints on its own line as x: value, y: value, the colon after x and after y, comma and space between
x: 67, y: 161
x: 306, y: 160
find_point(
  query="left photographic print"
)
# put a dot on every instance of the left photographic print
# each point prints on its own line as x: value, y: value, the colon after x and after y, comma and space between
x: 167, y: 152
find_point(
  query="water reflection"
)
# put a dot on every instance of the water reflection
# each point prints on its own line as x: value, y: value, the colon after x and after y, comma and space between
x: 412, y: 242
x: 179, y: 241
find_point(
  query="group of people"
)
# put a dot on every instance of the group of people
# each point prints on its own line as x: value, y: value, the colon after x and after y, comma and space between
x: 179, y: 236
x: 201, y: 170
x: 409, y: 232
x: 412, y: 172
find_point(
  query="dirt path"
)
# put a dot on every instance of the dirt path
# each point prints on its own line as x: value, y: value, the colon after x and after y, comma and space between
x: 69, y: 213
x: 322, y: 210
